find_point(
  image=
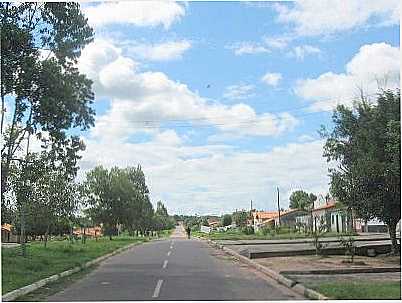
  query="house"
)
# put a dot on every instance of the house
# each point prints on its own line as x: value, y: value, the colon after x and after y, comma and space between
x: 330, y: 215
x: 213, y: 222
x: 89, y: 231
x: 261, y: 218
x: 7, y: 234
x: 288, y: 217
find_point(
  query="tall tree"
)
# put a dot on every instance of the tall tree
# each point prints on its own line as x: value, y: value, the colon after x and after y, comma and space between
x: 46, y: 192
x: 240, y: 218
x: 45, y: 93
x: 300, y: 199
x: 365, y: 145
x: 119, y: 196
x: 226, y: 220
x: 101, y: 200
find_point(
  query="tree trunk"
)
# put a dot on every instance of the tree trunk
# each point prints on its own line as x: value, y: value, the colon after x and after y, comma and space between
x: 46, y: 234
x: 392, y: 235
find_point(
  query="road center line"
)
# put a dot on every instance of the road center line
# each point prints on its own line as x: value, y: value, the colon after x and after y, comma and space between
x: 157, y: 289
x: 168, y: 254
x: 165, y: 264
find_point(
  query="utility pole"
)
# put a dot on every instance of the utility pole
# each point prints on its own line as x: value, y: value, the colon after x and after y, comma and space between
x: 279, y: 210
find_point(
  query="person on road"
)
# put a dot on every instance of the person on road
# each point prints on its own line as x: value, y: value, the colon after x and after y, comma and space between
x: 188, y: 231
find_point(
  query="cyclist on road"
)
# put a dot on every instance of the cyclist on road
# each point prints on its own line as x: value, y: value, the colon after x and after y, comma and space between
x: 188, y: 231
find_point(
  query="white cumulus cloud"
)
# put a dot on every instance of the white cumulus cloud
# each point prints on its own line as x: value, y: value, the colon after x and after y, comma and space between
x: 272, y: 79
x: 375, y: 66
x: 325, y: 17
x: 165, y: 51
x: 239, y: 91
x: 215, y: 178
x: 301, y: 51
x: 138, y: 13
x: 143, y: 100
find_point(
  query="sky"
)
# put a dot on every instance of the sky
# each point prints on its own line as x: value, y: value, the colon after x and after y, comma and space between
x: 221, y: 102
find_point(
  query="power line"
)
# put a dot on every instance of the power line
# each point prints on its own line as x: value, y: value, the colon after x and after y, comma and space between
x: 234, y: 123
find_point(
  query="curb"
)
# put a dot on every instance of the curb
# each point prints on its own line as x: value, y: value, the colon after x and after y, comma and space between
x: 341, y: 271
x: 297, y: 287
x: 12, y: 295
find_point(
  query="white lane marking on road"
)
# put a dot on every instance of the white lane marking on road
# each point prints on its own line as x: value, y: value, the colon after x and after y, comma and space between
x: 157, y: 289
x: 168, y: 254
x: 165, y: 264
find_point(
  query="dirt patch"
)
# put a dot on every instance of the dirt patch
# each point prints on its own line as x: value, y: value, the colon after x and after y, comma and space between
x: 327, y: 262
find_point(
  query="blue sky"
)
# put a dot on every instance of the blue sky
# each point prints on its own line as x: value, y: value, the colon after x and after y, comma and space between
x: 220, y: 102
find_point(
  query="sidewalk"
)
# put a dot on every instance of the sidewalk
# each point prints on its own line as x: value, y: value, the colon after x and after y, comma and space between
x: 371, y: 237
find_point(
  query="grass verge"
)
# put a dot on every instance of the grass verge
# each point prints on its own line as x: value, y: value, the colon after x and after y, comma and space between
x: 360, y: 290
x: 42, y: 262
x: 41, y: 294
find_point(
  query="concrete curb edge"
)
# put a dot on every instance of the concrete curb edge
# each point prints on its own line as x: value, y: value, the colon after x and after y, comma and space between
x: 297, y: 287
x: 14, y: 294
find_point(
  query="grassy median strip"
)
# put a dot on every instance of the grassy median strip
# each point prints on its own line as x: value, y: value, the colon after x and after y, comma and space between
x: 355, y: 290
x: 57, y: 257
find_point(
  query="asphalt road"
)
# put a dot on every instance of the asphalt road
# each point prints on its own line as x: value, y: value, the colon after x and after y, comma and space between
x: 174, y: 269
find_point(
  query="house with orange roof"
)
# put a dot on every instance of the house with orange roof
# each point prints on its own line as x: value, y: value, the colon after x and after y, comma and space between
x: 326, y: 212
x: 213, y: 222
x: 262, y: 218
x: 7, y: 234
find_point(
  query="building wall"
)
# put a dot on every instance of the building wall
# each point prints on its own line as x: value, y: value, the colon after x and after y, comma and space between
x: 289, y: 219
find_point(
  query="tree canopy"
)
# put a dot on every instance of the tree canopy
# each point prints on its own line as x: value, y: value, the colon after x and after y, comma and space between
x: 46, y: 94
x: 300, y: 199
x: 226, y: 220
x: 365, y: 146
x: 240, y: 218
x: 121, y: 197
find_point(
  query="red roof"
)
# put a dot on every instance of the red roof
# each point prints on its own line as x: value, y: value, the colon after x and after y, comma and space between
x: 265, y: 214
x: 330, y: 204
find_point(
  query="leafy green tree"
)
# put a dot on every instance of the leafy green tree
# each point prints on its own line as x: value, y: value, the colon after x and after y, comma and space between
x: 204, y: 221
x: 299, y: 199
x: 226, y: 220
x: 240, y: 218
x: 365, y: 146
x: 40, y: 45
x: 120, y: 196
x: 46, y: 193
x: 102, y: 203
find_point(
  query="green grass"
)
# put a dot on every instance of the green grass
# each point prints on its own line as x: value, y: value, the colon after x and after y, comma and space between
x: 165, y: 233
x: 57, y: 257
x: 360, y: 290
x: 237, y: 235
x: 41, y: 294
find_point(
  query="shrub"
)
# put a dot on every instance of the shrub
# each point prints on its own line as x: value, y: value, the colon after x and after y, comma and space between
x: 349, y: 244
x: 248, y: 230
x: 265, y: 230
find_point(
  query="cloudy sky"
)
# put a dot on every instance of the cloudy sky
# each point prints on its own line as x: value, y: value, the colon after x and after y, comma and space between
x: 221, y: 102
